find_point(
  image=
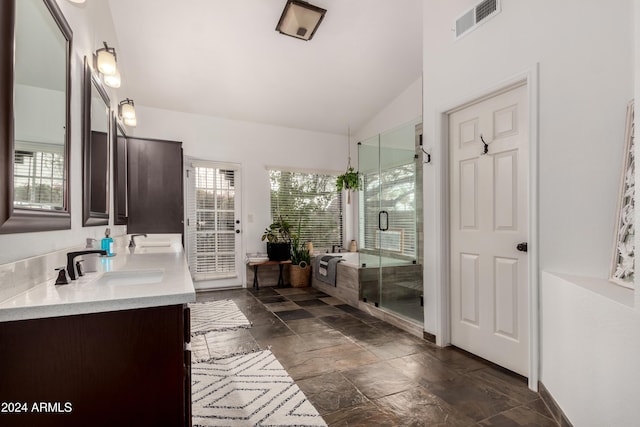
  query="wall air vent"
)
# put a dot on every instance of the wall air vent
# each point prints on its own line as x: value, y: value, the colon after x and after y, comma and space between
x: 481, y: 13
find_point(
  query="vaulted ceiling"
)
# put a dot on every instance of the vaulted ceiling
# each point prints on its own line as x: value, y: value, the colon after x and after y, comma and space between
x: 224, y: 58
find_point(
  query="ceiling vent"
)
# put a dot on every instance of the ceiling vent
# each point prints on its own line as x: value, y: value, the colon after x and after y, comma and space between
x: 480, y: 14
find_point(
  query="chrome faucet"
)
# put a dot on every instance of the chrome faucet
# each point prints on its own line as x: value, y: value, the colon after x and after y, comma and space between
x: 132, y: 242
x: 71, y: 255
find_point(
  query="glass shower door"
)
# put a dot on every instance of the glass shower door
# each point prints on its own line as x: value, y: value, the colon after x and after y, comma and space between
x: 392, y: 278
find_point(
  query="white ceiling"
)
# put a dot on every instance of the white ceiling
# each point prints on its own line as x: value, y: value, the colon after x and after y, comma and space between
x: 224, y: 58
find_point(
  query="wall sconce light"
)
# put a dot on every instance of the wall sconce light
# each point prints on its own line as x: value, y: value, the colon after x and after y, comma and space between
x: 127, y: 112
x: 113, y: 81
x: 106, y: 60
x: 300, y: 19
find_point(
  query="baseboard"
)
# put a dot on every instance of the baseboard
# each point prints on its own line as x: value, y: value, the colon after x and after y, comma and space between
x: 553, y: 406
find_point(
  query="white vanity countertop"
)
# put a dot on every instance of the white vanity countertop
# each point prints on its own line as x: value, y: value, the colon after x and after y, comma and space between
x: 170, y: 284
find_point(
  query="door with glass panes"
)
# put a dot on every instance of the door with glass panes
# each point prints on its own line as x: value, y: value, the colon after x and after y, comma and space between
x: 213, y: 226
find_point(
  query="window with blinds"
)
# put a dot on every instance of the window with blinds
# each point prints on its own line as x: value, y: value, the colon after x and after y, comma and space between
x: 38, y: 176
x: 311, y: 200
x: 211, y: 223
x: 391, y: 190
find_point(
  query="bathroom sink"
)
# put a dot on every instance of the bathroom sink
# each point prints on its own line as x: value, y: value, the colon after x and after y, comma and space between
x: 132, y: 277
x: 155, y: 245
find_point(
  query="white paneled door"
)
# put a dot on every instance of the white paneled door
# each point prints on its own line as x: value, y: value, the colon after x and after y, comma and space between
x: 213, y: 224
x: 489, y: 155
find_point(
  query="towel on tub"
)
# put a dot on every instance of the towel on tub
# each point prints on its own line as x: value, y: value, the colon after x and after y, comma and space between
x: 326, y: 268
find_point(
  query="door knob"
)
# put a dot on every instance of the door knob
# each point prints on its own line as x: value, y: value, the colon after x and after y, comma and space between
x: 522, y: 247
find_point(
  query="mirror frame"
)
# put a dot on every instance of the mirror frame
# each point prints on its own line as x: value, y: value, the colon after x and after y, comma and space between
x: 120, y: 177
x: 90, y: 83
x: 16, y: 220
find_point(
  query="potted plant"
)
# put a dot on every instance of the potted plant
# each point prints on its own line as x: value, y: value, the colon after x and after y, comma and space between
x: 350, y: 181
x: 278, y: 237
x: 300, y: 261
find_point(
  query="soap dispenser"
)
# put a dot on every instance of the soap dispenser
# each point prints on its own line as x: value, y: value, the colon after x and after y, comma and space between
x: 107, y: 243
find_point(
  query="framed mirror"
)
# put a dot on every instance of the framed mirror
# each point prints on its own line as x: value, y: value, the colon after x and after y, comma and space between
x: 120, y: 207
x: 96, y: 134
x: 35, y: 52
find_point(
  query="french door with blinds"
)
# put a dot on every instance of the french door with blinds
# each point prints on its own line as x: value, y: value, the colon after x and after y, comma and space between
x: 213, y: 226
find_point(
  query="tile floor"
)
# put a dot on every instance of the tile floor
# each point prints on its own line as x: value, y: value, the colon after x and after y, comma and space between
x: 359, y: 371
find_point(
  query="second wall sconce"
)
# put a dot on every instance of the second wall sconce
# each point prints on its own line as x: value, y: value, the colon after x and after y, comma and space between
x: 127, y: 112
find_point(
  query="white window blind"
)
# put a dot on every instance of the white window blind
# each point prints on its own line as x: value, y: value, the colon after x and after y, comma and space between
x: 312, y: 200
x: 391, y: 190
x: 210, y: 225
x: 38, y: 175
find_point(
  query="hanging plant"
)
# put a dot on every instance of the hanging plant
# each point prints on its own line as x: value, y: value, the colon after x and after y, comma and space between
x: 350, y: 180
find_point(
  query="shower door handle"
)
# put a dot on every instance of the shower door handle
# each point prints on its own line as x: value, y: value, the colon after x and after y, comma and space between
x: 383, y: 220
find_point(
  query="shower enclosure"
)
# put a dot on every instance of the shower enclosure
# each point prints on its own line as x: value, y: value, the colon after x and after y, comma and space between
x: 390, y: 221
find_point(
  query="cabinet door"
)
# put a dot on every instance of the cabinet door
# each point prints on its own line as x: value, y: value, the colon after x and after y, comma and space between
x: 120, y: 368
x: 155, y: 186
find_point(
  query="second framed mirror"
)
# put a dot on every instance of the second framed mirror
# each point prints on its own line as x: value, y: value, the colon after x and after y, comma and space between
x: 96, y: 136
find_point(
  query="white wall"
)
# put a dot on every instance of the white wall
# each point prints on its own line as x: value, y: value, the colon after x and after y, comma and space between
x: 91, y: 24
x: 590, y: 350
x: 585, y: 56
x: 253, y: 146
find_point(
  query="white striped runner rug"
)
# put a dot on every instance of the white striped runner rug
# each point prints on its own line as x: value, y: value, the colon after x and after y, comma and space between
x: 248, y: 390
x: 216, y: 316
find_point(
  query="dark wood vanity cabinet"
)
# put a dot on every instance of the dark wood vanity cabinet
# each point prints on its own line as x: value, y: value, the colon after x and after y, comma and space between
x: 154, y: 186
x: 125, y: 367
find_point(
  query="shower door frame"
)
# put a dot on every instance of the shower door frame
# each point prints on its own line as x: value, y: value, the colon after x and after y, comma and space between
x: 415, y: 258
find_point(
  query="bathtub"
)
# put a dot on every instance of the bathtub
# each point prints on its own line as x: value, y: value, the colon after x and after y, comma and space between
x: 358, y: 280
x: 364, y: 260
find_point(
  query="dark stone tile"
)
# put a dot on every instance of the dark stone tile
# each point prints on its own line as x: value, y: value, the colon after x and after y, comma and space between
x: 456, y: 359
x: 390, y: 349
x: 471, y: 397
x: 506, y: 382
x: 306, y: 364
x: 300, y: 297
x: 306, y: 326
x: 539, y: 406
x: 293, y: 314
x: 520, y: 416
x: 311, y: 302
x: 357, y: 313
x: 316, y: 293
x: 379, y: 379
x: 283, y: 345
x: 286, y: 291
x: 425, y: 369
x: 331, y: 392
x: 418, y: 407
x: 276, y: 329
x: 263, y: 291
x: 365, y: 415
x: 282, y: 306
x: 341, y: 321
x: 324, y: 310
x: 330, y: 338
x: 271, y: 299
